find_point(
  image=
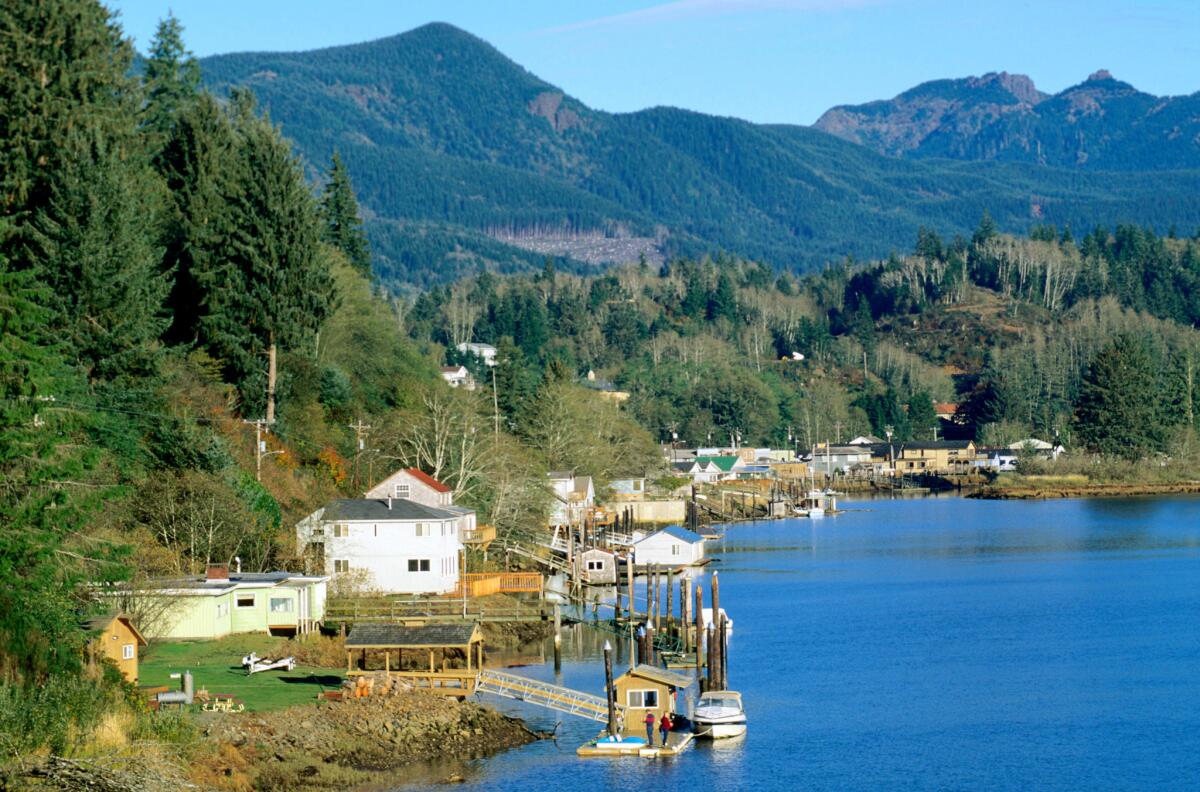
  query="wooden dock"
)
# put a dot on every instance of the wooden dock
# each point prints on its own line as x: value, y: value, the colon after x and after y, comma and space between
x: 676, y: 743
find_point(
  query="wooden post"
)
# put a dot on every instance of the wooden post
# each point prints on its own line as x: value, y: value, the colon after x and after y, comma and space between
x: 649, y: 594
x: 724, y: 645
x: 557, y: 638
x: 641, y: 646
x: 387, y: 663
x: 684, y: 594
x: 431, y: 661
x: 650, y: 633
x: 699, y: 616
x: 629, y: 584
x: 670, y: 599
x: 610, y: 694
x: 710, y: 640
x: 716, y: 597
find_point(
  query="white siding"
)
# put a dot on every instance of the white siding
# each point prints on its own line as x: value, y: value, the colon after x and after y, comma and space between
x: 662, y: 548
x: 400, y: 557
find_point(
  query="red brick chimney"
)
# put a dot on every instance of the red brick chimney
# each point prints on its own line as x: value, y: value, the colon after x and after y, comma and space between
x: 218, y: 572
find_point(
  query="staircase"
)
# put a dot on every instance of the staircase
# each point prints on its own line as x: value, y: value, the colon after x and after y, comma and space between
x: 544, y: 694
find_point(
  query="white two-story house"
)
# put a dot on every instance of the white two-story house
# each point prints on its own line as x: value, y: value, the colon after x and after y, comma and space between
x: 405, y: 535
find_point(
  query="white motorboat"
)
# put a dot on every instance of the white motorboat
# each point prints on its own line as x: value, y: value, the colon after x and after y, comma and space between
x: 706, y: 617
x: 719, y: 715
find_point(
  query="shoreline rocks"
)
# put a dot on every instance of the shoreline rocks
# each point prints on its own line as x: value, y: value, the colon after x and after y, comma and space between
x: 360, y: 741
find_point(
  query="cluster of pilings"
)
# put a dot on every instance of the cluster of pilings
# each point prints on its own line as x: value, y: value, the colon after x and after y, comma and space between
x: 684, y: 628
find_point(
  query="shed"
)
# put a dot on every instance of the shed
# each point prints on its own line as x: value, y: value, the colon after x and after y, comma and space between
x: 599, y: 566
x: 647, y: 688
x: 114, y: 637
x: 431, y: 638
x: 672, y: 546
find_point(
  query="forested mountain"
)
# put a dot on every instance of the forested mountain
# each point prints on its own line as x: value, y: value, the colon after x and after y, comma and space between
x: 447, y: 140
x: 1099, y: 124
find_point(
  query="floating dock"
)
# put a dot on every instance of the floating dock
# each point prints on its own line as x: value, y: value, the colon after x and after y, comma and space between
x: 601, y: 746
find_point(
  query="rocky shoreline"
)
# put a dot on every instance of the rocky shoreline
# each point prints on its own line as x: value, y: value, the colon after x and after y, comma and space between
x: 1085, y: 491
x: 357, y: 742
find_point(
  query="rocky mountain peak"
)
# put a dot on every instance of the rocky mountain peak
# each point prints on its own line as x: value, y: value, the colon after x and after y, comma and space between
x: 1099, y: 75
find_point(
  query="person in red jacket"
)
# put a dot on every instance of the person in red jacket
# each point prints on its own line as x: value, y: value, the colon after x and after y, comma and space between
x: 664, y: 726
x: 650, y: 721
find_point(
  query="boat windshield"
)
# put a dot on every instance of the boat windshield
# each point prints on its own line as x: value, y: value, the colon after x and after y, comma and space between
x: 720, y: 699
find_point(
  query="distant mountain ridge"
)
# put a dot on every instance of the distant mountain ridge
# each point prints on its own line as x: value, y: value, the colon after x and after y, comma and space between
x: 1099, y: 124
x: 457, y: 151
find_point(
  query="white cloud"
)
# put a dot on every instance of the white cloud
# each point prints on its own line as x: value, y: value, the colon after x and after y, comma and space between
x: 691, y: 9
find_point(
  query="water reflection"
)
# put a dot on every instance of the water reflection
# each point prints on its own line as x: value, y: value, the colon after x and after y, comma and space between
x: 928, y: 644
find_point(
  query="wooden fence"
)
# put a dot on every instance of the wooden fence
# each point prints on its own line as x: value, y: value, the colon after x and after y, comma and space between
x: 482, y: 584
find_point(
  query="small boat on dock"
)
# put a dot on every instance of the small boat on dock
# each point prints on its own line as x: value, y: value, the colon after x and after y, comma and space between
x: 719, y: 715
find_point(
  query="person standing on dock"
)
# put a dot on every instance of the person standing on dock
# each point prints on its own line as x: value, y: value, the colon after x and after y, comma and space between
x: 664, y: 726
x: 650, y: 721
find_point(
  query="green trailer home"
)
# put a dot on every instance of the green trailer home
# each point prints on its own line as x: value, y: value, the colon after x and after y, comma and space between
x: 219, y: 603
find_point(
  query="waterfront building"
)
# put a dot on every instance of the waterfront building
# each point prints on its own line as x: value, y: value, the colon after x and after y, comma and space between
x: 672, y: 546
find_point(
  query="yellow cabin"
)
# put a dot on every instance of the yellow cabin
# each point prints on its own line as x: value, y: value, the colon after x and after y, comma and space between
x: 647, y: 688
x: 114, y: 637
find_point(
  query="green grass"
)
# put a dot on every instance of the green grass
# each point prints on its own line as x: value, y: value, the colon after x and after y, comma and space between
x: 216, y: 665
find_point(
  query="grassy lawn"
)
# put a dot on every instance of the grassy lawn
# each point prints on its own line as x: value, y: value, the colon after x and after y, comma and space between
x: 216, y: 665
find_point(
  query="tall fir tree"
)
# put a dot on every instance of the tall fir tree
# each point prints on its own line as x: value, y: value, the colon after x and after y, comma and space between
x: 195, y: 163
x: 1119, y: 409
x: 171, y: 82
x: 97, y: 247
x: 66, y: 85
x: 340, y: 223
x: 272, y: 289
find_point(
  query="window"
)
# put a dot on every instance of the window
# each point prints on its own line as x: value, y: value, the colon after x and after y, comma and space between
x: 127, y: 652
x: 422, y: 529
x: 341, y: 565
x: 643, y: 699
x: 595, y: 566
x: 637, y: 485
x: 244, y: 600
x: 341, y: 529
x: 318, y: 531
x: 418, y: 565
x: 282, y: 604
x: 401, y: 491
x: 675, y: 549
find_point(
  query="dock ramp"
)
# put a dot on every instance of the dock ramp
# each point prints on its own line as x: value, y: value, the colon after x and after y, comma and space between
x: 544, y: 694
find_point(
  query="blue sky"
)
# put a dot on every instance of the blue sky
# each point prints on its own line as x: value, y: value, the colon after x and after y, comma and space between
x: 764, y: 60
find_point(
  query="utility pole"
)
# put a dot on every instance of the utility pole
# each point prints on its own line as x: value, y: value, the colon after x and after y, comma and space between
x: 495, y: 402
x: 360, y: 429
x: 837, y: 427
x: 261, y: 427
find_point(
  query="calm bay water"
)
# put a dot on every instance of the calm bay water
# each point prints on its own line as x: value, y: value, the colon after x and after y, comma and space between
x: 934, y: 643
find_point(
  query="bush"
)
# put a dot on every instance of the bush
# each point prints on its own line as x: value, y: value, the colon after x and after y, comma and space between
x: 60, y: 715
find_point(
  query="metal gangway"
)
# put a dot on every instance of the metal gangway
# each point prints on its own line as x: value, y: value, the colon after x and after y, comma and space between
x: 544, y: 694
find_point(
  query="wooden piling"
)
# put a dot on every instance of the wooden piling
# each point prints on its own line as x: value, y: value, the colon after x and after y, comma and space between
x: 716, y: 596
x: 723, y: 652
x: 670, y: 599
x: 699, y: 615
x: 710, y: 644
x: 629, y: 583
x: 610, y: 693
x: 558, y: 638
x: 684, y: 592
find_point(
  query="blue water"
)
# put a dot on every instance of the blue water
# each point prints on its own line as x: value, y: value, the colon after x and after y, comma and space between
x: 932, y: 644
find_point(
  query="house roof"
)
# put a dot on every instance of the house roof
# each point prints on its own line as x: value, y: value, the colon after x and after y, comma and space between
x: 945, y: 408
x: 677, y: 532
x: 98, y: 624
x: 560, y: 475
x: 659, y: 675
x: 393, y: 636
x: 402, y: 509
x: 725, y: 463
x: 866, y: 440
x: 200, y: 585
x: 426, y: 479
x: 953, y: 445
